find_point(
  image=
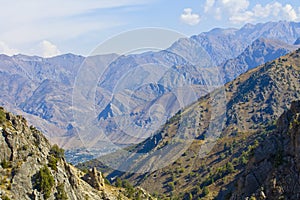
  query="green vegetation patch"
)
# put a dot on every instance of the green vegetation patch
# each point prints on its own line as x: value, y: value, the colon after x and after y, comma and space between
x: 61, y: 193
x: 43, y: 181
x: 57, y: 152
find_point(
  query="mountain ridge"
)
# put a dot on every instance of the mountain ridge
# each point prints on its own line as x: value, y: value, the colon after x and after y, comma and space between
x: 23, y: 75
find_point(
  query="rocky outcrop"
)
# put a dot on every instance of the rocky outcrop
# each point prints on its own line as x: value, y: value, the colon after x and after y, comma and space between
x: 33, y: 169
x: 95, y: 179
x: 275, y: 175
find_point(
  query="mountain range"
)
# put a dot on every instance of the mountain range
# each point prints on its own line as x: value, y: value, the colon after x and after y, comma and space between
x: 42, y: 89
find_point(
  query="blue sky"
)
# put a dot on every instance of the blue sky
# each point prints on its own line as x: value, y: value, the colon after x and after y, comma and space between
x: 51, y: 27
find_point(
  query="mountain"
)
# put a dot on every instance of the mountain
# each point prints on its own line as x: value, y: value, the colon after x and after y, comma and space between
x: 200, y: 82
x: 207, y: 146
x: 224, y: 44
x: 233, y: 50
x: 135, y: 86
x: 199, y: 74
x: 33, y: 169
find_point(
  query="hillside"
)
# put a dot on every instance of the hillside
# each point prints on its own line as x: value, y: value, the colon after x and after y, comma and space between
x: 273, y: 172
x: 33, y: 169
x: 206, y: 146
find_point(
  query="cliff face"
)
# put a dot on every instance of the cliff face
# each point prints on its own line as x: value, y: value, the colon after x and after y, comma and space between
x: 273, y: 172
x: 33, y: 169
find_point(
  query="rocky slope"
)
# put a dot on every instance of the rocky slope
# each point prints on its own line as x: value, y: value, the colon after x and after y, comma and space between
x: 273, y: 172
x: 190, y: 154
x: 33, y: 169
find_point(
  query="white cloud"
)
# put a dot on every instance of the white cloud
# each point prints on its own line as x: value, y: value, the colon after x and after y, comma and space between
x: 49, y: 49
x: 189, y: 18
x: 208, y: 5
x: 276, y: 10
x: 239, y: 11
x: 235, y: 6
x: 290, y: 13
x: 5, y: 49
x: 246, y: 16
x: 231, y: 9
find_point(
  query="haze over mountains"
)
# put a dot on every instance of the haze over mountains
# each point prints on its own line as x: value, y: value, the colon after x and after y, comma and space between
x: 42, y: 89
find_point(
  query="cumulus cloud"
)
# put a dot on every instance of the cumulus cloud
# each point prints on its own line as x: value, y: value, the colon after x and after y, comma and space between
x: 208, y: 5
x: 289, y: 12
x: 271, y: 11
x: 189, y: 17
x: 5, y: 49
x: 222, y: 9
x: 275, y: 9
x: 49, y: 49
x: 242, y: 17
x: 239, y: 11
x: 235, y: 6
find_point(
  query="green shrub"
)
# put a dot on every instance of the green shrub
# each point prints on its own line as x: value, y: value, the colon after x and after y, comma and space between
x: 129, y: 188
x: 57, y: 152
x: 52, y: 162
x: 229, y: 167
x: 2, y: 116
x: 118, y: 182
x: 243, y: 160
x: 5, y: 198
x: 222, y: 156
x: 171, y: 186
x: 189, y: 196
x: 5, y: 164
x: 205, y: 191
x: 44, y: 181
x: 61, y: 193
x: 126, y: 184
x: 106, y: 181
x: 180, y: 170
